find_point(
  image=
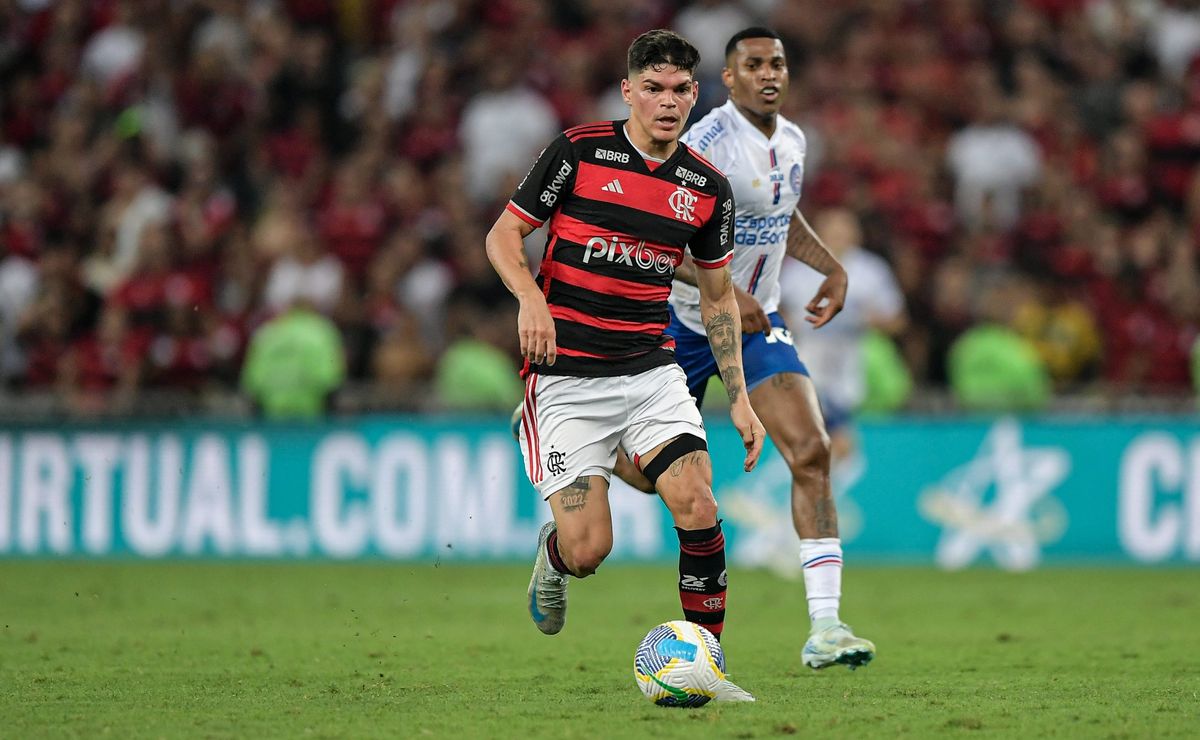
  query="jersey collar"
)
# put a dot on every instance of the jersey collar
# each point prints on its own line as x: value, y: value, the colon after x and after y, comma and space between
x: 642, y: 156
x: 743, y: 124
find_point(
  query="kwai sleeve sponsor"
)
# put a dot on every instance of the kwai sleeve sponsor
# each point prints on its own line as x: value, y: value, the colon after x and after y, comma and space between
x: 547, y: 183
x: 712, y: 246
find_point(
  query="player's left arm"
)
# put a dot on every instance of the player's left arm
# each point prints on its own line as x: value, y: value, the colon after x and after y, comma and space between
x: 804, y: 245
x: 712, y: 250
x: 722, y: 324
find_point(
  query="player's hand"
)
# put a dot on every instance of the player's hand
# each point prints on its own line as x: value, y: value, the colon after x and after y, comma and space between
x: 535, y: 326
x: 751, y: 430
x: 829, y: 300
x: 754, y: 319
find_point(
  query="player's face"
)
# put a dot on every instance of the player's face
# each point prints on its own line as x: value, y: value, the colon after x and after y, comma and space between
x: 757, y: 75
x: 659, y: 102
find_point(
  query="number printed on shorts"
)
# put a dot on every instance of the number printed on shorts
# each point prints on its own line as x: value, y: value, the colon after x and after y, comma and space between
x: 779, y: 334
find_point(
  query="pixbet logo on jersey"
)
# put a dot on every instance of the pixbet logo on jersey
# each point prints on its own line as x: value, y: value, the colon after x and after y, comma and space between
x: 622, y: 252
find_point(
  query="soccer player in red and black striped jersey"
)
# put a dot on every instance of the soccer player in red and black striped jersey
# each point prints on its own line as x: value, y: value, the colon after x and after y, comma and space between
x: 624, y: 200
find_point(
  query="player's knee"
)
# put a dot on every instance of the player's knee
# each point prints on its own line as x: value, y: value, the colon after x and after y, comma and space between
x: 697, y: 510
x: 809, y: 456
x: 587, y: 556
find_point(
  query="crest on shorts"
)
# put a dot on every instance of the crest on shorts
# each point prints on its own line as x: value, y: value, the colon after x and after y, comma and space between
x: 556, y: 462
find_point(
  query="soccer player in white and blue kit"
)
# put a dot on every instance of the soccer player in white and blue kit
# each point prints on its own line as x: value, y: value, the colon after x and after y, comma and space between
x: 762, y: 154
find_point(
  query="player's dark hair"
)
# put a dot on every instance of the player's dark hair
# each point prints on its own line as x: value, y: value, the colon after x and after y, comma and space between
x: 660, y: 47
x: 753, y: 32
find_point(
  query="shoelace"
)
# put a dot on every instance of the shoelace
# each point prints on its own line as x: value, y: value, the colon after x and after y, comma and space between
x: 551, y: 591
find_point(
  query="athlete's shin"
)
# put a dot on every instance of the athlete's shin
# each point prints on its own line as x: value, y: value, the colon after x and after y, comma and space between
x: 702, y: 578
x: 822, y: 560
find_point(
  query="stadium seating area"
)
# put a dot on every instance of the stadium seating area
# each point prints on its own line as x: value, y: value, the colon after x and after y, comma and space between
x: 175, y: 172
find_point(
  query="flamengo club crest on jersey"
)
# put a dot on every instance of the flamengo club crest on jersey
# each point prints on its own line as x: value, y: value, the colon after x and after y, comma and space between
x: 683, y: 202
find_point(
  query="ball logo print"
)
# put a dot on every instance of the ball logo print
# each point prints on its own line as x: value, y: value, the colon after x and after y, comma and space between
x: 683, y: 203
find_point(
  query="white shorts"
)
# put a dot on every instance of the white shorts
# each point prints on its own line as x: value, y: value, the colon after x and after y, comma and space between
x: 571, y: 426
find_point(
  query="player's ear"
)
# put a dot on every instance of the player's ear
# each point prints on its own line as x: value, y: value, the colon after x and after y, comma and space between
x: 626, y: 90
x: 727, y: 77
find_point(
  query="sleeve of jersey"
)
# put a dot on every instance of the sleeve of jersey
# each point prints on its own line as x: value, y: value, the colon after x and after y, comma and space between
x: 548, y: 182
x: 712, y: 246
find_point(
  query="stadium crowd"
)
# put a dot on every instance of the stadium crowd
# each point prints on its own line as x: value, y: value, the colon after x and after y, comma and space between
x: 176, y: 173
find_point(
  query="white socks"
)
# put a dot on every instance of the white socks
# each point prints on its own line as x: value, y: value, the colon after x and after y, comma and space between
x: 822, y: 561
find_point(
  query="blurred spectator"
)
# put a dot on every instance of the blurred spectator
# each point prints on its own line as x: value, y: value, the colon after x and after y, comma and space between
x: 196, y: 165
x: 305, y: 273
x: 992, y: 368
x: 473, y: 374
x: 102, y: 370
x: 888, y: 382
x: 1061, y: 328
x: 833, y: 353
x: 503, y: 127
x: 992, y: 161
x: 294, y: 365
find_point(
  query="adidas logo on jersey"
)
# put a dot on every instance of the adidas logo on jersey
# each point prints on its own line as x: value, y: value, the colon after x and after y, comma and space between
x: 614, y: 187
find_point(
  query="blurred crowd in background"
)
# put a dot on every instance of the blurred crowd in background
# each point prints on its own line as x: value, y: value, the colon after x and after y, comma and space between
x: 180, y: 179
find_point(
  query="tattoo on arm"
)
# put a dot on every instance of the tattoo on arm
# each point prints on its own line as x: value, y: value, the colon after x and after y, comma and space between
x: 724, y: 336
x: 574, y: 497
x: 804, y: 245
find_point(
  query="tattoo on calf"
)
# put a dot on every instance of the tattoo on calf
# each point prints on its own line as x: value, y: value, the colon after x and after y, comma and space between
x: 574, y: 497
x: 825, y: 517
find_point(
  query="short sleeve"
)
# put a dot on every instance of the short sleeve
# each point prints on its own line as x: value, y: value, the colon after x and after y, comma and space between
x: 712, y: 245
x: 547, y: 183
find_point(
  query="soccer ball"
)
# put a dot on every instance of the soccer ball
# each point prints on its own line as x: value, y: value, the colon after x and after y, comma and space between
x: 679, y: 664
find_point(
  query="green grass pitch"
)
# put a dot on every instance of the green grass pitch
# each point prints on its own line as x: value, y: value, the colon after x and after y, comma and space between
x: 412, y: 650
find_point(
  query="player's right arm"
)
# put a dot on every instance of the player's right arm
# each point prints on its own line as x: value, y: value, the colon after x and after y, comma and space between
x: 804, y: 245
x: 548, y: 182
x: 506, y: 250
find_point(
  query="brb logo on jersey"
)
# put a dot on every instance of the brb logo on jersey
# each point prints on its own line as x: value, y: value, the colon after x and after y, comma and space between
x: 611, y: 156
x: 683, y: 202
x: 688, y: 176
x: 622, y: 252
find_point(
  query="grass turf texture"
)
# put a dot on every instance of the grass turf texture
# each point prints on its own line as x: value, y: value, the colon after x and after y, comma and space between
x: 413, y: 650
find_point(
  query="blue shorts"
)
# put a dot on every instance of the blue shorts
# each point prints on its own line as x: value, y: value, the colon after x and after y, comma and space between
x: 763, y: 355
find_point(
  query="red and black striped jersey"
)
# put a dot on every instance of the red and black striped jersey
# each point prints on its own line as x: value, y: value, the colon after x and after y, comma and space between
x: 617, y: 232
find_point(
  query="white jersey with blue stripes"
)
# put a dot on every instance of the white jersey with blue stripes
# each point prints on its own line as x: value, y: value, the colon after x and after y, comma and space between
x: 766, y: 175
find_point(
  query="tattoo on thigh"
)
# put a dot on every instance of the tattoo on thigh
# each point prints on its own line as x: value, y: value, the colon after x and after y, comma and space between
x: 574, y: 497
x: 783, y: 381
x: 695, y: 457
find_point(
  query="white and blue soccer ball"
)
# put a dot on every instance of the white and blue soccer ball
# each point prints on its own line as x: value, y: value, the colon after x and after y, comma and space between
x: 679, y: 664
